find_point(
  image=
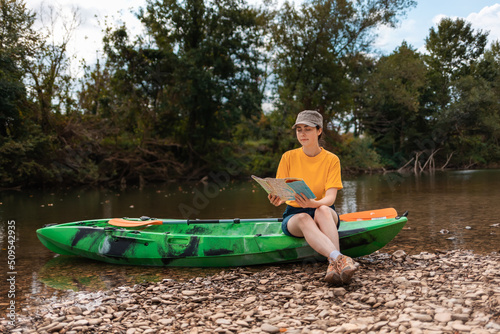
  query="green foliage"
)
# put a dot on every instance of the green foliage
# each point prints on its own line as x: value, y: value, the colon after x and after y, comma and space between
x: 312, y: 45
x: 454, y: 47
x: 454, y: 51
x: 358, y: 154
x: 192, y: 83
x: 12, y: 95
x: 47, y: 68
x: 472, y: 121
x: 260, y: 161
x: 215, y: 58
x: 16, y: 39
x: 186, y: 98
x: 463, y: 92
x: 392, y: 107
x: 23, y: 161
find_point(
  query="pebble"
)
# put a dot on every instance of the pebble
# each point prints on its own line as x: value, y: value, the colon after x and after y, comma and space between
x: 189, y: 293
x: 456, y: 291
x: 399, y: 254
x: 223, y: 321
x: 349, y: 328
x: 269, y: 328
x: 443, y: 317
x: 461, y: 328
x: 339, y: 291
x: 421, y: 317
x: 392, y: 304
x: 82, y: 322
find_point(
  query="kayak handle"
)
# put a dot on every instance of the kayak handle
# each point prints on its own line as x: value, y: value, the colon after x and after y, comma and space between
x: 405, y: 214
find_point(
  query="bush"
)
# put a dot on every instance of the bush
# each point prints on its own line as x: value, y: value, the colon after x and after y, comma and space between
x: 357, y: 154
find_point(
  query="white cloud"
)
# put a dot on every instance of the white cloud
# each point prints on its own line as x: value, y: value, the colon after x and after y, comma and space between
x: 488, y: 19
x: 436, y: 19
x: 87, y: 39
x: 414, y: 31
x: 409, y: 30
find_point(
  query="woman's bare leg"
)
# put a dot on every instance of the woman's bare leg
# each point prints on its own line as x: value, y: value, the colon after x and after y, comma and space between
x: 326, y: 219
x: 322, y: 235
x: 302, y: 225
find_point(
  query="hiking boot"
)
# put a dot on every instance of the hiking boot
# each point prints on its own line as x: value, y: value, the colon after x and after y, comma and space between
x: 346, y: 267
x: 332, y: 275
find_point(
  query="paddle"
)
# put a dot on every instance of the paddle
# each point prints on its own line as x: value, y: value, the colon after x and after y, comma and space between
x: 135, y: 223
x: 369, y: 215
x: 354, y: 216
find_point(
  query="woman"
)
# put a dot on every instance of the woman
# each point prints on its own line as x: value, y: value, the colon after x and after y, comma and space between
x: 315, y: 219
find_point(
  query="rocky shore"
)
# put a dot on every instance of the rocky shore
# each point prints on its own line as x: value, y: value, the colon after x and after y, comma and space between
x: 452, y: 292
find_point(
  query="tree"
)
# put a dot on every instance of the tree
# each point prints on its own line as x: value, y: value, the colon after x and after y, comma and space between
x: 490, y: 71
x: 489, y: 66
x: 209, y: 73
x: 129, y: 84
x: 12, y: 93
x: 461, y: 93
x: 455, y: 47
x: 393, y: 112
x: 16, y: 43
x: 359, y: 69
x: 172, y: 100
x: 48, y: 68
x: 313, y: 45
x: 454, y: 50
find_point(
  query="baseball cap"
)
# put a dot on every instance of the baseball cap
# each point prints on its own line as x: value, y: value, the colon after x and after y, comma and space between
x: 310, y: 118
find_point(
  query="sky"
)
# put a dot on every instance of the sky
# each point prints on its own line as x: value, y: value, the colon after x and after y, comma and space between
x: 413, y: 28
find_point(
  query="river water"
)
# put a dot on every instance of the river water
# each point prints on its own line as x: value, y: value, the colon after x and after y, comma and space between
x: 447, y: 210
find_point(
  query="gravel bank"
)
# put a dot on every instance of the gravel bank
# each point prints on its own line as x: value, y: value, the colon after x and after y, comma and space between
x: 453, y: 292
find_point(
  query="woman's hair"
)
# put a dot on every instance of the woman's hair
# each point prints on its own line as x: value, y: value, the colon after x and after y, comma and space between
x: 317, y: 128
x: 321, y: 142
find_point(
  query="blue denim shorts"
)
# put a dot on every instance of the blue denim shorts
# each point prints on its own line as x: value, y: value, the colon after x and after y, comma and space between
x: 291, y: 210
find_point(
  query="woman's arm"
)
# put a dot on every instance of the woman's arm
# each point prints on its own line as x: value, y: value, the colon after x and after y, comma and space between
x: 328, y: 200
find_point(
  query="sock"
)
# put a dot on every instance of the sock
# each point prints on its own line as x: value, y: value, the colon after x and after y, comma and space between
x: 334, y: 254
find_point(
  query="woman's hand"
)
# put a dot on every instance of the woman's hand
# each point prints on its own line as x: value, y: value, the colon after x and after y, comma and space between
x: 275, y: 200
x: 305, y: 202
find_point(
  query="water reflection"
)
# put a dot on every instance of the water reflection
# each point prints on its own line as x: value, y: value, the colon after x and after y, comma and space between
x: 450, y: 201
x: 72, y: 273
x: 347, y: 197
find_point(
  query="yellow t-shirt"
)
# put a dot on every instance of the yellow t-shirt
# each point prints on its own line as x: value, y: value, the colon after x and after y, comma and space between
x: 320, y: 172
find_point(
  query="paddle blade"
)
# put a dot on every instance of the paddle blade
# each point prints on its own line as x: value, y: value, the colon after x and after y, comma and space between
x: 133, y: 223
x: 369, y: 215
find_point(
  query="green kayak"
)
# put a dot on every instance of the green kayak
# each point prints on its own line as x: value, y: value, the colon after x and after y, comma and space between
x: 206, y: 243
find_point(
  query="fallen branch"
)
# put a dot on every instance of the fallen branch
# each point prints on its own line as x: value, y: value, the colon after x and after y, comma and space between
x: 447, y: 161
x: 430, y: 161
x: 409, y: 162
x: 417, y: 163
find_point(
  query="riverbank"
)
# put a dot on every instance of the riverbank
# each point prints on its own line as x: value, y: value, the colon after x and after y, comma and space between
x: 456, y: 291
